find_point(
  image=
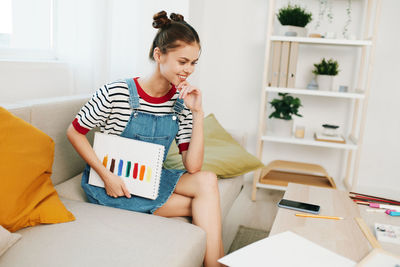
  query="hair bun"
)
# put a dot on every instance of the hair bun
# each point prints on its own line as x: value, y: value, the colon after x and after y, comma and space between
x: 160, y: 20
x: 176, y: 17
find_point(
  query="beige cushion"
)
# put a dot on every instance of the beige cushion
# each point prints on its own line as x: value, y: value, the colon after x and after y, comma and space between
x: 104, y: 236
x: 229, y: 189
x: 72, y: 189
x: 7, y: 239
x: 54, y: 117
x: 223, y: 155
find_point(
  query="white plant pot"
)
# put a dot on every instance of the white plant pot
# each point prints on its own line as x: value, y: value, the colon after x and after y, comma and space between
x: 288, y: 30
x: 325, y: 82
x: 279, y: 127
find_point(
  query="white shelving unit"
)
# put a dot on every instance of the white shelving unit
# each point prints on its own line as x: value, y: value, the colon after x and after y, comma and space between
x: 309, y: 141
x: 359, y: 95
x: 322, y: 41
x: 297, y: 91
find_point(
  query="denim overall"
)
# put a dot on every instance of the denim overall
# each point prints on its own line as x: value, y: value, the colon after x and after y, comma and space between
x: 158, y: 129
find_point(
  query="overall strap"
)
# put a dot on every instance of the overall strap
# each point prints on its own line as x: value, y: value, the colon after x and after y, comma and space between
x: 133, y: 94
x: 178, y: 106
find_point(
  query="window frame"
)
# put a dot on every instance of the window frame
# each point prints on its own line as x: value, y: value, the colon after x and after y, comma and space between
x: 20, y: 54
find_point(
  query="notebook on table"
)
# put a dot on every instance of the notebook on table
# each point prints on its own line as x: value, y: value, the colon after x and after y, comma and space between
x: 138, y: 163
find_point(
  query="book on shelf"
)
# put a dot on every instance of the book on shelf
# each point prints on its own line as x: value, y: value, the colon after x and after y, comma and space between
x: 276, y: 60
x: 293, y: 53
x: 329, y: 138
x: 284, y: 62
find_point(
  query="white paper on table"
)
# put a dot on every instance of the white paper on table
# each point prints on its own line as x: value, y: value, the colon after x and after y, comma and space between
x: 285, y: 249
x: 380, y: 258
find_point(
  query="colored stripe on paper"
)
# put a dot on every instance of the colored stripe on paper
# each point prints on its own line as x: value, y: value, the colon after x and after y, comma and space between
x: 135, y: 171
x: 128, y: 169
x: 112, y: 165
x: 142, y: 170
x: 105, y: 159
x: 120, y: 165
x: 148, y: 174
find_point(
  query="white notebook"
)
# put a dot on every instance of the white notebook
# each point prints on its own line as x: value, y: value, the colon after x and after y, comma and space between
x: 285, y: 249
x: 138, y: 163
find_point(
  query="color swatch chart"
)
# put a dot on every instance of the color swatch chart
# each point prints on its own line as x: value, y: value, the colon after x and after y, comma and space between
x: 128, y: 169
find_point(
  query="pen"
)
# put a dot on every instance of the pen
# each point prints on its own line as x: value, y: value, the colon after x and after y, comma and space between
x: 384, y: 206
x: 393, y: 213
x: 319, y: 216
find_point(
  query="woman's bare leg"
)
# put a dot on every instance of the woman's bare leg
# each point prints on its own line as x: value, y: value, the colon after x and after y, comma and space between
x: 176, y: 206
x: 202, y: 189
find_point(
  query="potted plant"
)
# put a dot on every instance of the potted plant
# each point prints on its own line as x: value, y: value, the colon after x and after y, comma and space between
x: 325, y: 72
x: 285, y: 108
x: 294, y: 20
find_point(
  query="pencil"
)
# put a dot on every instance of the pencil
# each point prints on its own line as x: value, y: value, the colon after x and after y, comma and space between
x: 319, y: 216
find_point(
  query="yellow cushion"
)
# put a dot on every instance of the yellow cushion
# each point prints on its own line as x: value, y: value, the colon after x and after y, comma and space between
x: 27, y: 195
x: 222, y: 154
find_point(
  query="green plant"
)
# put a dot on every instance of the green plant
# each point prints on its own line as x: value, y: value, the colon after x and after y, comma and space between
x: 285, y: 107
x: 330, y: 67
x: 294, y: 15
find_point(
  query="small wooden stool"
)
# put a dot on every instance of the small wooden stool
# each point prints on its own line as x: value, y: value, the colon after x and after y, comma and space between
x: 281, y: 173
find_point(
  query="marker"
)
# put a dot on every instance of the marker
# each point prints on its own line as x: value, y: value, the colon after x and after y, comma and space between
x: 384, y: 206
x: 319, y: 216
x: 376, y: 210
x: 393, y: 213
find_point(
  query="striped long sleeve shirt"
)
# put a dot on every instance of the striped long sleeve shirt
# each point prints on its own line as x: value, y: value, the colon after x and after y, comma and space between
x: 109, y: 109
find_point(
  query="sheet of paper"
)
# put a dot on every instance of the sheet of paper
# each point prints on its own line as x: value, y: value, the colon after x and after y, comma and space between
x: 136, y: 162
x: 380, y: 258
x: 285, y: 249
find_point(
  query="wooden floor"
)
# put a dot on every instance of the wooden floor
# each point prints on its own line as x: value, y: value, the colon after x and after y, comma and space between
x: 259, y: 214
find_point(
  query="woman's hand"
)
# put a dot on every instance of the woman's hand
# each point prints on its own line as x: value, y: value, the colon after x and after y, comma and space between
x: 191, y: 96
x: 114, y: 186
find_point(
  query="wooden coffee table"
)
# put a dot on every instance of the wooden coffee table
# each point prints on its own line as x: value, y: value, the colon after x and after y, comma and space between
x: 344, y: 237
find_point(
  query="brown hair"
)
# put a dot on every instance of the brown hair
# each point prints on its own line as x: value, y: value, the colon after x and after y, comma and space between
x: 171, y: 30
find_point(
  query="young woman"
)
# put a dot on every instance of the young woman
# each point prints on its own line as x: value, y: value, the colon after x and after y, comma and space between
x: 158, y: 109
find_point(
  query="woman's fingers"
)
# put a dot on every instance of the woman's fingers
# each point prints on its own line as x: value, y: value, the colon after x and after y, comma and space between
x: 126, y: 192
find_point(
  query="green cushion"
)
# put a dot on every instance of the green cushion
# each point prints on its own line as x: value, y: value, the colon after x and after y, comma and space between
x: 222, y: 154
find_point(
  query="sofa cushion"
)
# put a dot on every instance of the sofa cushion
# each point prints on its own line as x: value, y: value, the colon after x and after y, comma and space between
x: 7, y: 239
x: 26, y: 192
x: 229, y: 189
x: 104, y: 236
x: 223, y: 155
x: 72, y: 189
x: 53, y: 117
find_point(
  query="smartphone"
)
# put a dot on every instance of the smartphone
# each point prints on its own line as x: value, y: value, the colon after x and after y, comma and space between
x: 300, y: 206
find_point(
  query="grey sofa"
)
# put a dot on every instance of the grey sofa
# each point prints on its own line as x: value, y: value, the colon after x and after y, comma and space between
x: 101, y: 236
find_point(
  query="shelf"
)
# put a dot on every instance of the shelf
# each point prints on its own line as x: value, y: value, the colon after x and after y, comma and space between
x: 322, y: 41
x: 315, y: 92
x: 309, y: 141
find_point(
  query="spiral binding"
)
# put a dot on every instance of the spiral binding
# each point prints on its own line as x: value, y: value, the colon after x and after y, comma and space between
x: 158, y: 169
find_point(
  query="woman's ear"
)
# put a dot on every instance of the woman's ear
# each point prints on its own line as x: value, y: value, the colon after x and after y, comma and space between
x: 157, y: 54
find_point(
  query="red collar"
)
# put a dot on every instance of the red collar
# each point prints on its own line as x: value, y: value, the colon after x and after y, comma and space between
x: 152, y: 99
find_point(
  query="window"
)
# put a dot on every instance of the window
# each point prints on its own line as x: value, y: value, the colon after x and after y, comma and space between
x: 26, y: 29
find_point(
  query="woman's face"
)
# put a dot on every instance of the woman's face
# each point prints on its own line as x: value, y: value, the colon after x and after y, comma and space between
x: 177, y: 64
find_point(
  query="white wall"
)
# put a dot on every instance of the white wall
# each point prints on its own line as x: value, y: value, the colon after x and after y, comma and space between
x: 380, y: 160
x: 132, y: 34
x: 230, y: 73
